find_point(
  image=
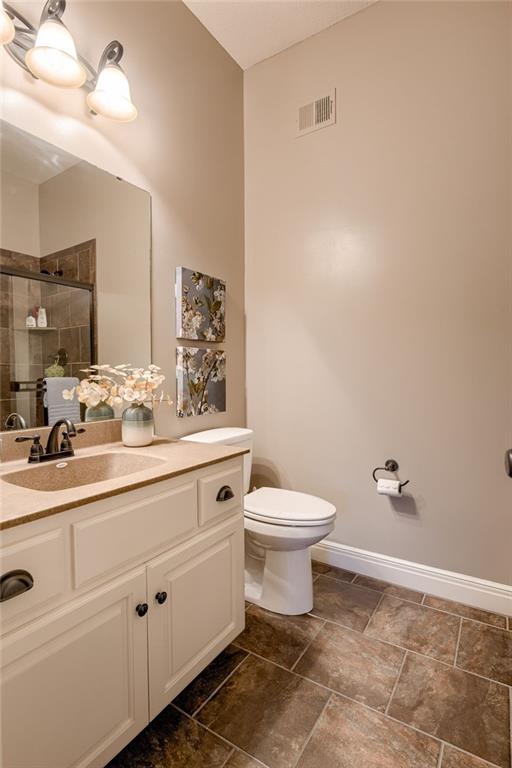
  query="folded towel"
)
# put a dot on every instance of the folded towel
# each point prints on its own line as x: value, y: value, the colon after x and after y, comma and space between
x: 58, y: 408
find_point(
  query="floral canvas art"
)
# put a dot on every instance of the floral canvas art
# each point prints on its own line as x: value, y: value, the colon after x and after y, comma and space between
x: 200, y: 306
x: 200, y: 381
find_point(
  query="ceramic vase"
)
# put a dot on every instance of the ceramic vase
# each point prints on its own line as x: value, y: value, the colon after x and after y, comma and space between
x: 137, y: 426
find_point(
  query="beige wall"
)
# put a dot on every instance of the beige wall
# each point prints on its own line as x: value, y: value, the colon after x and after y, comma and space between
x: 378, y: 278
x: 85, y: 203
x: 19, y: 204
x: 186, y: 149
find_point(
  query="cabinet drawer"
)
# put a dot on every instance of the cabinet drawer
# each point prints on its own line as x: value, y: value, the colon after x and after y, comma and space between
x: 44, y: 557
x: 211, y: 508
x: 107, y: 541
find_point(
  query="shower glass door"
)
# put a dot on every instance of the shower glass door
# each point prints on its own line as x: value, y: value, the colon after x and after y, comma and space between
x: 47, y: 327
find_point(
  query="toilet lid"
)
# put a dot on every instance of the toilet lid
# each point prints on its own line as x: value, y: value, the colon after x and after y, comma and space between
x: 281, y: 507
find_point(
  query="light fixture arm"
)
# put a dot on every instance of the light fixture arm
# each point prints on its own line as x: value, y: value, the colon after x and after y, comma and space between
x: 53, y: 9
x: 112, y: 54
x: 16, y: 15
x: 23, y: 39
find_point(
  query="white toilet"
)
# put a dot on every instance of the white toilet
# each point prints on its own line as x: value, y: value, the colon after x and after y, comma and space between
x: 280, y: 527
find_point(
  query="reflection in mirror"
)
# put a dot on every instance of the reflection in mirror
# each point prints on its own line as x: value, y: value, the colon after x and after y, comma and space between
x: 75, y: 278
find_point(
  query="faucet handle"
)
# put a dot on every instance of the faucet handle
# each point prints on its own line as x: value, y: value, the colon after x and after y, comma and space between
x: 66, y: 440
x: 65, y: 443
x: 36, y: 448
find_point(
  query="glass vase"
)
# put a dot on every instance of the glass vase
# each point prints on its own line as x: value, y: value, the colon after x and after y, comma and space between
x: 99, y: 412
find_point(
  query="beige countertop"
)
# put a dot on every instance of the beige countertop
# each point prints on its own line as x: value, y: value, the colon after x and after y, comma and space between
x: 22, y: 505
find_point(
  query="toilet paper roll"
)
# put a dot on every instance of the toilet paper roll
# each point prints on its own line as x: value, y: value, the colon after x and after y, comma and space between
x: 389, y: 487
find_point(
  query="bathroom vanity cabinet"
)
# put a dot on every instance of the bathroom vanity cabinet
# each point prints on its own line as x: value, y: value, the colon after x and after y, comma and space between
x: 133, y: 596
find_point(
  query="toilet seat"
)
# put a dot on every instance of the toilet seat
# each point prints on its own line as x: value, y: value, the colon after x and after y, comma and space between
x: 282, y: 507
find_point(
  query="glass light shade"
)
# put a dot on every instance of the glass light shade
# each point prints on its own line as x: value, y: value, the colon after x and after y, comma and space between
x: 53, y: 57
x: 111, y: 97
x: 7, y: 30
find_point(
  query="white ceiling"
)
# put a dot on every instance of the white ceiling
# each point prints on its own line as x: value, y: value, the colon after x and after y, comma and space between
x: 29, y: 157
x: 253, y: 30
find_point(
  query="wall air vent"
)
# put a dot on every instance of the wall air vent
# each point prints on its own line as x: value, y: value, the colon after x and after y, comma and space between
x: 318, y: 113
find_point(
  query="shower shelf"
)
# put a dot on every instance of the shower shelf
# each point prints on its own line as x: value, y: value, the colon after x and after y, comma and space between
x: 37, y: 330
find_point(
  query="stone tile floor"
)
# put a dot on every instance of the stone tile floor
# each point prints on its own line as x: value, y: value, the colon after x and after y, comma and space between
x: 377, y: 676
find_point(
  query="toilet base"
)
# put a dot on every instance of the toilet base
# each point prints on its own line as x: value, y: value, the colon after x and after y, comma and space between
x: 281, y: 582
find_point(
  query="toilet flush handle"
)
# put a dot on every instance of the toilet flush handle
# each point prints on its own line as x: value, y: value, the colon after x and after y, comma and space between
x: 225, y: 493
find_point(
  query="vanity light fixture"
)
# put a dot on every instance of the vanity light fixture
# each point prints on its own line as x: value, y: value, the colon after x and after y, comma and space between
x: 50, y: 54
x: 7, y: 29
x: 53, y: 57
x: 111, y: 95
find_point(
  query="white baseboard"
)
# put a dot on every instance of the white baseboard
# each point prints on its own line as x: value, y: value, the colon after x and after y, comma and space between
x: 452, y: 586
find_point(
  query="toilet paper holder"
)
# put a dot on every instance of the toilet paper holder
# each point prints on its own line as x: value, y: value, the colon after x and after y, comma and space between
x: 390, y: 465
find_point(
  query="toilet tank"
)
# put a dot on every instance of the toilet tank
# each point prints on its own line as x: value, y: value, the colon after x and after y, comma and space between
x: 228, y: 436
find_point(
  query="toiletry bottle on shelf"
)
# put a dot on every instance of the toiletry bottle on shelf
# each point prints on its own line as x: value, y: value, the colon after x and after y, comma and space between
x: 42, y: 321
x: 30, y: 322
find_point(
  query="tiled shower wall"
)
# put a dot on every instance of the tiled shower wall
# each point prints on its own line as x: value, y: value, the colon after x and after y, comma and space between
x: 69, y: 308
x: 16, y: 298
x: 68, y: 313
x: 77, y: 263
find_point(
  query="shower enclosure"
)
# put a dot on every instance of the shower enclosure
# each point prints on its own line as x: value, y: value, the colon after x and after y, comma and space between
x: 30, y: 350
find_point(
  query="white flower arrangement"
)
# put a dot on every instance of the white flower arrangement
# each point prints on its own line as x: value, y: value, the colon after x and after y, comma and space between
x: 115, y: 385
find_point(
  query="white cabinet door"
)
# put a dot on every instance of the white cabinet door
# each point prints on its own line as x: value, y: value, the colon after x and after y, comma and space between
x: 74, y: 686
x: 202, y: 612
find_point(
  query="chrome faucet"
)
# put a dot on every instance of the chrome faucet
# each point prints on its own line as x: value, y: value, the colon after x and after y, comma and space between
x: 53, y: 449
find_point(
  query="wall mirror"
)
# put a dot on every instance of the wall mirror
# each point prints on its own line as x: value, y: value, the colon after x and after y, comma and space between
x: 75, y: 261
